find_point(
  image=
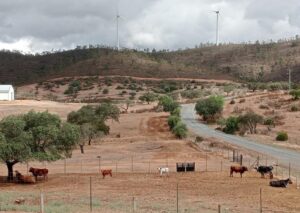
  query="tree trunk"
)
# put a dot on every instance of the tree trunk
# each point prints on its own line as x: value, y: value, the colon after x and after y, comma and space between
x: 81, y: 148
x: 90, y: 141
x: 10, y: 176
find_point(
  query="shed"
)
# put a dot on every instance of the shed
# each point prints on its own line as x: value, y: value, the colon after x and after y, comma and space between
x: 7, y: 93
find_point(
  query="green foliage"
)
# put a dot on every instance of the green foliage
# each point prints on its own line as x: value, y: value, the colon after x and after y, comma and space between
x: 168, y: 103
x: 35, y: 136
x: 180, y: 130
x: 168, y: 86
x: 282, y: 136
x: 172, y: 121
x: 148, y: 97
x: 229, y: 88
x: 210, y: 107
x: 191, y: 94
x: 250, y: 121
x: 295, y: 108
x: 176, y: 112
x: 231, y: 125
x: 106, y: 111
x: 105, y: 91
x: 295, y: 94
x: 74, y: 88
x: 269, y: 121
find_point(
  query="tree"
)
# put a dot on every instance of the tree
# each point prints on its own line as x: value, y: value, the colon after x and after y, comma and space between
x: 168, y: 103
x: 295, y: 94
x: 180, y: 130
x: 250, y: 121
x: 231, y: 125
x: 210, y: 107
x: 35, y: 136
x: 74, y: 88
x: 92, y: 121
x: 173, y: 120
x: 148, y: 97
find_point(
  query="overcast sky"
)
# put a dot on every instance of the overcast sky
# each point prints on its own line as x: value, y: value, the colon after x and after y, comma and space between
x: 40, y: 25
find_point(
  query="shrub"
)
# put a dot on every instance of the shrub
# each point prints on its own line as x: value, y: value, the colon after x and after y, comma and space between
x: 262, y: 106
x: 168, y: 103
x: 180, y: 130
x: 282, y: 136
x: 172, y: 121
x: 231, y: 125
x: 176, y: 112
x: 191, y: 94
x: 199, y: 139
x: 269, y: 122
x: 295, y: 94
x: 119, y: 88
x: 243, y: 100
x: 210, y: 107
x: 105, y: 91
x: 250, y: 121
x: 73, y: 88
x: 148, y: 97
x: 294, y: 108
x: 232, y: 101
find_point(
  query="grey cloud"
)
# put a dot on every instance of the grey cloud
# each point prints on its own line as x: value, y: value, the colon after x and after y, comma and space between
x: 60, y: 24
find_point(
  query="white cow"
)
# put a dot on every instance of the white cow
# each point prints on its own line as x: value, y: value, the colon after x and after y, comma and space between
x: 163, y: 170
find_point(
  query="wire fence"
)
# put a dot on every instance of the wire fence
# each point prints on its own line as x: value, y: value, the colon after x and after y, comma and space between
x: 174, y: 195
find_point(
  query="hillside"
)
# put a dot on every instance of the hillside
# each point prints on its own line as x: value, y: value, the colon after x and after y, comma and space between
x: 234, y: 61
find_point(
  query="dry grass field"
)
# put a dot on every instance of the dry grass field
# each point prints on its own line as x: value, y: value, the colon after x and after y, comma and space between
x: 145, y: 143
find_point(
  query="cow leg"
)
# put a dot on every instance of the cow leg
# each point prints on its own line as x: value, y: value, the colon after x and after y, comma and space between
x: 241, y: 175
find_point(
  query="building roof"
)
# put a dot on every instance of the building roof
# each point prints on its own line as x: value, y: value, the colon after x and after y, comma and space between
x: 5, y: 88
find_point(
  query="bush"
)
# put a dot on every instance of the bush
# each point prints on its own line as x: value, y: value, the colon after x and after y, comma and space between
x: 73, y: 88
x: 282, y: 136
x: 191, y: 94
x: 180, y: 130
x: 119, y: 88
x: 250, y: 121
x: 243, y: 100
x: 269, y: 122
x: 176, y: 112
x: 168, y: 103
x: 148, y: 97
x: 199, y: 139
x: 173, y: 121
x: 232, y: 102
x: 105, y: 91
x: 295, y: 94
x: 294, y: 108
x: 210, y: 107
x: 231, y: 125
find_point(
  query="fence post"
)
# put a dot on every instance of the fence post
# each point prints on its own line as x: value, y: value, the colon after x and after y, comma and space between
x: 65, y: 166
x: 91, y: 198
x: 116, y: 167
x: 133, y: 205
x: 132, y: 163
x: 290, y: 170
x: 81, y: 166
x: 228, y: 154
x: 260, y: 200
x: 233, y: 155
x: 221, y: 166
x: 206, y: 161
x: 219, y: 208
x: 42, y: 202
x: 177, y: 200
x: 241, y: 160
x: 258, y: 160
x: 167, y: 160
x: 27, y: 167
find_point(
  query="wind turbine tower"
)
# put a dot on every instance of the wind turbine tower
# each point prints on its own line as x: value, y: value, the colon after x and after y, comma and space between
x: 217, y: 27
x: 118, y: 38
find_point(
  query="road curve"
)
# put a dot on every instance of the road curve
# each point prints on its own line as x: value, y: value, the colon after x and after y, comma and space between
x: 284, y: 156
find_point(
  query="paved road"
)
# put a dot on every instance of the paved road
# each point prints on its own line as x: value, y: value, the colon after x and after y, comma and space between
x: 284, y: 156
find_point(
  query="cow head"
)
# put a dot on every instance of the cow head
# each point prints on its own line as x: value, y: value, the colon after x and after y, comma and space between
x: 245, y: 168
x: 31, y: 169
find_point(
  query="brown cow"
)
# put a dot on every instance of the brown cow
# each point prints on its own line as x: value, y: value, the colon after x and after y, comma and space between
x: 39, y: 172
x: 105, y: 172
x: 238, y: 169
x: 24, y: 178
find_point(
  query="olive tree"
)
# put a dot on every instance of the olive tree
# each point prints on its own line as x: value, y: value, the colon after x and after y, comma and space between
x: 210, y: 107
x: 148, y: 97
x: 35, y: 136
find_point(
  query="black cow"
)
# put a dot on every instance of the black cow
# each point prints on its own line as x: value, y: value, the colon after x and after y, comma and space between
x: 265, y: 170
x: 280, y: 183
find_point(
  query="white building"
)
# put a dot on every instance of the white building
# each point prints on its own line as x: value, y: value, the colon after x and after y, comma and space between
x: 7, y: 93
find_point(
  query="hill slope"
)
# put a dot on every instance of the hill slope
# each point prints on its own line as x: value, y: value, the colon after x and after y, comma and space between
x: 234, y: 61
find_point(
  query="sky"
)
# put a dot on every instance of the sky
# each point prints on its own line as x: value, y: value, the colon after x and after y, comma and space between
x: 45, y: 25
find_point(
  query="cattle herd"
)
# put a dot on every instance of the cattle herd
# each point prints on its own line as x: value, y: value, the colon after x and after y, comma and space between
x: 263, y: 170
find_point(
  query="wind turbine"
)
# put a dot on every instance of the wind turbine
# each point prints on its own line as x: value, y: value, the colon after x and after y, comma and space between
x: 217, y: 27
x: 118, y: 38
